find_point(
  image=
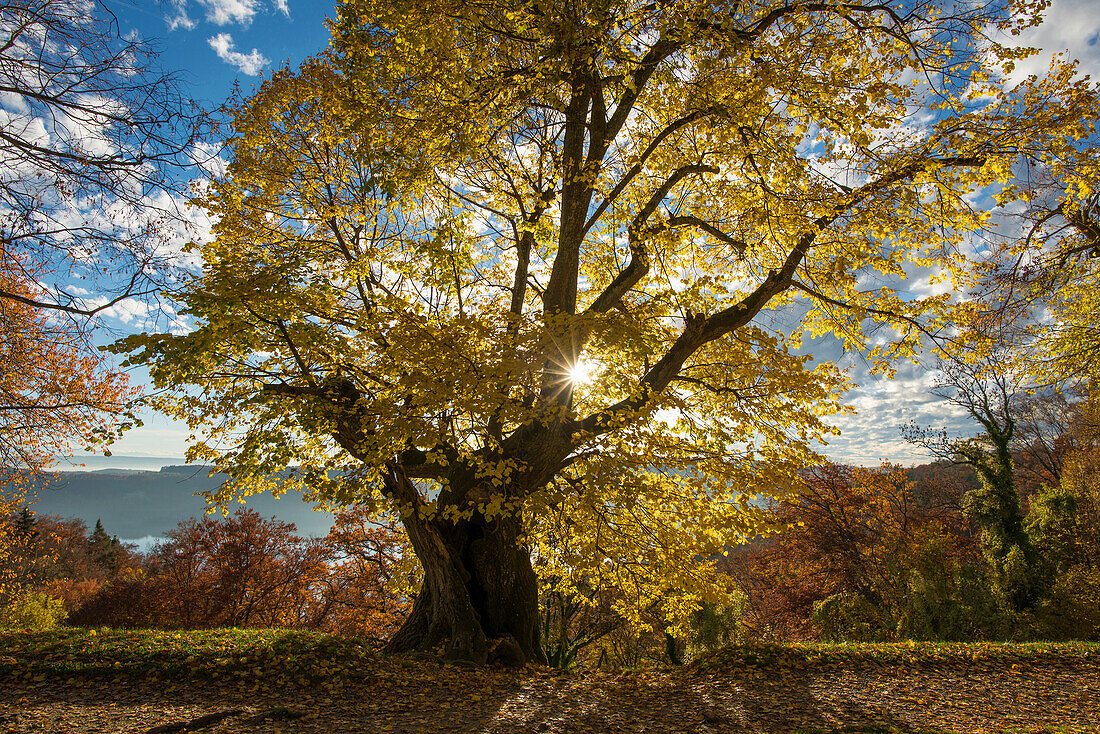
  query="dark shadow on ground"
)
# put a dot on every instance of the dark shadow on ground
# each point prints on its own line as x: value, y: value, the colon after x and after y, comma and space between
x: 860, y: 698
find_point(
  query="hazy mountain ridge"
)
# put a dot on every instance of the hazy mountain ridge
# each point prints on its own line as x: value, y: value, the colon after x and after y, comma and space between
x: 135, y: 503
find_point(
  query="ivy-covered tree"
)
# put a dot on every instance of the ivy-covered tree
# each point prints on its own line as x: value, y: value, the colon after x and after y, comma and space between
x: 983, y: 379
x: 486, y: 262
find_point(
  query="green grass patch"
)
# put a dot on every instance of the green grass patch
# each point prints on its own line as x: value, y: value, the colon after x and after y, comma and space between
x: 290, y: 656
x: 305, y: 658
x: 799, y: 655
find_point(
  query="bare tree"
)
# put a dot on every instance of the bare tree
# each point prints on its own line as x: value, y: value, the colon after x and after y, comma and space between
x: 1041, y: 280
x: 92, y: 138
x: 94, y: 145
x: 1048, y: 424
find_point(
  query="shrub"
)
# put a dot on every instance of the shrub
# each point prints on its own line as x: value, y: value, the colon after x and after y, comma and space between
x: 848, y: 617
x: 1073, y: 612
x: 714, y: 626
x: 33, y: 610
x: 126, y: 602
x: 947, y: 595
x: 955, y: 606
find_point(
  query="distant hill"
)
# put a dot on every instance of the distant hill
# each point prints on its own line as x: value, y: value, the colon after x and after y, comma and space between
x: 119, y: 462
x: 134, y: 503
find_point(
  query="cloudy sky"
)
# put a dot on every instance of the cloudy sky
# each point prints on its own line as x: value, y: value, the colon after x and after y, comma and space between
x: 217, y: 43
x: 1070, y: 28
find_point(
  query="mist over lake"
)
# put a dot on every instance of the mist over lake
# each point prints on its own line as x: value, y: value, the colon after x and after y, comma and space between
x: 138, y: 503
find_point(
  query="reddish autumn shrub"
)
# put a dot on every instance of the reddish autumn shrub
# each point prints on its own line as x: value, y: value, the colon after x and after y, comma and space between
x: 134, y: 601
x: 853, y: 554
x: 239, y: 571
x: 248, y: 571
x: 372, y: 578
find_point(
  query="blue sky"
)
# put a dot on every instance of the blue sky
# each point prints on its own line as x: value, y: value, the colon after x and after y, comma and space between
x: 215, y: 43
x: 211, y: 45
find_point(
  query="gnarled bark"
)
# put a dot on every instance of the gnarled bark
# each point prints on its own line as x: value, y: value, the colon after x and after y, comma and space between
x: 479, y: 585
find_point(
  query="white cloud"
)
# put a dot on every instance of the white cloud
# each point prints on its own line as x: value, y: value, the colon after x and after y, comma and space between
x: 208, y: 157
x: 1071, y: 27
x: 128, y: 311
x: 145, y: 543
x: 883, y: 406
x: 14, y: 166
x: 927, y: 282
x: 14, y: 103
x: 224, y: 12
x: 179, y: 18
x: 251, y: 63
x: 221, y: 12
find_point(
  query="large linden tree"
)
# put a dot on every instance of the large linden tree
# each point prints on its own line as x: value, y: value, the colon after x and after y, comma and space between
x: 532, y: 276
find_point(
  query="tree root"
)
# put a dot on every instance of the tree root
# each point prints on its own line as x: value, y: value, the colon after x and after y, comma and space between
x: 279, y: 713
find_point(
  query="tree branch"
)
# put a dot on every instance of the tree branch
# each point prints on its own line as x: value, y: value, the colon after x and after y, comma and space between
x: 639, y: 264
x: 699, y: 329
x: 637, y: 167
x: 739, y: 245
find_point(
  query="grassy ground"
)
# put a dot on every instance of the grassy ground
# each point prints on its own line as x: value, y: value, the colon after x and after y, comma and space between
x: 133, y: 681
x: 275, y: 656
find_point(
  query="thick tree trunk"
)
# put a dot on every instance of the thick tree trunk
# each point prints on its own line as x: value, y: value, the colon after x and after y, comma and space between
x: 480, y: 592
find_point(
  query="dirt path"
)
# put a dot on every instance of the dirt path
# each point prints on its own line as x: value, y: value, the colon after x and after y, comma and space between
x: 858, y: 696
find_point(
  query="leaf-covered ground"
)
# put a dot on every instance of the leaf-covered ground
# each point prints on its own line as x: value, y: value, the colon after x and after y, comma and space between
x: 275, y: 681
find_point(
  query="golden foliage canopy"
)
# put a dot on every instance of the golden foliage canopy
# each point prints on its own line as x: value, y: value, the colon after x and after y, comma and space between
x: 424, y: 230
